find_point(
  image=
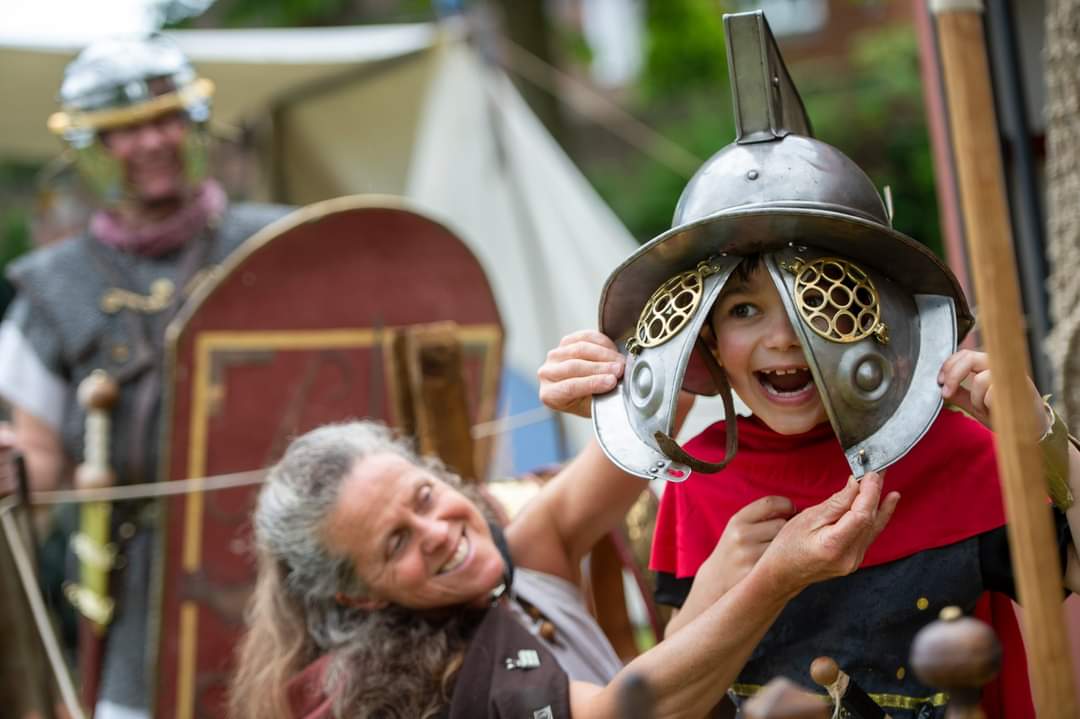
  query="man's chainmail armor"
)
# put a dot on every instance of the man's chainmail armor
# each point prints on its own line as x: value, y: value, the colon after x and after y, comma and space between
x: 60, y: 301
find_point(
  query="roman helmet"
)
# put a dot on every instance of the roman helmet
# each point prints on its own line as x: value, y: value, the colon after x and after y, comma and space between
x: 876, y: 313
x: 114, y: 83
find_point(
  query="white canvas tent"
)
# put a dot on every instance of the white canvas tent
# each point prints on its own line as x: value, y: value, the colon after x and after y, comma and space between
x: 405, y: 109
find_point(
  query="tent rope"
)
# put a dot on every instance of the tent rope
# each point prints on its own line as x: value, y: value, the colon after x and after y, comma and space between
x: 218, y: 482
x: 600, y: 109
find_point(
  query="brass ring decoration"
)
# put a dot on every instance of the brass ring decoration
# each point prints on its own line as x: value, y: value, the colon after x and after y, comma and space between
x: 669, y: 308
x: 837, y: 300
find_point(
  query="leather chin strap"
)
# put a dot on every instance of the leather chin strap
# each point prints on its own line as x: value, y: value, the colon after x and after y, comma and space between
x: 675, y: 452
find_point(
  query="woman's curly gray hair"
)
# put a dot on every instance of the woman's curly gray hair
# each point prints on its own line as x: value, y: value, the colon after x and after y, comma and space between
x: 392, y: 662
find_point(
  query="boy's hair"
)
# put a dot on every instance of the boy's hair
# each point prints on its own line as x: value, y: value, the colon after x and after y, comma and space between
x: 747, y: 267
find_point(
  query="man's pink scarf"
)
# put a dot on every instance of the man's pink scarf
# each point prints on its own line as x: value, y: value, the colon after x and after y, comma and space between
x: 207, y: 203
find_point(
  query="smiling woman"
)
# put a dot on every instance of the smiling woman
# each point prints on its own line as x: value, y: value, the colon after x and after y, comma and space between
x: 385, y: 589
x: 310, y: 599
x: 420, y: 542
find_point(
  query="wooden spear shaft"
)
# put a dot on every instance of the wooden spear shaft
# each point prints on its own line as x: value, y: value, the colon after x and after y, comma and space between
x: 989, y: 239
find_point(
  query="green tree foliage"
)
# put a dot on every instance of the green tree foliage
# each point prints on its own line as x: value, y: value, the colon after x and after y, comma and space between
x: 683, y: 93
x: 308, y: 13
x: 684, y: 50
x: 16, y: 179
x: 874, y: 113
x: 869, y: 105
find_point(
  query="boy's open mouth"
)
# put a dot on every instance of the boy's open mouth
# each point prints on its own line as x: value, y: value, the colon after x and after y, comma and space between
x: 785, y: 382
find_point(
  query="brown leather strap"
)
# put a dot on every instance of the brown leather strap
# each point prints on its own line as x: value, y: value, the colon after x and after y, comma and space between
x: 674, y: 451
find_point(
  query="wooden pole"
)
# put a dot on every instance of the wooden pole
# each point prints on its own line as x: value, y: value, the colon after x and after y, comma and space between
x: 440, y: 401
x: 986, y: 218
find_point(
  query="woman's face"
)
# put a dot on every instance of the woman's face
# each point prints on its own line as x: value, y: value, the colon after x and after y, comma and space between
x: 415, y: 541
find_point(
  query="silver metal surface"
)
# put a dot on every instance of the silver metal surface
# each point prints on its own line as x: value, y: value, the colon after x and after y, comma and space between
x: 116, y: 73
x: 880, y: 398
x: 771, y: 187
x: 767, y: 105
x: 922, y: 402
x: 776, y: 189
x: 645, y: 400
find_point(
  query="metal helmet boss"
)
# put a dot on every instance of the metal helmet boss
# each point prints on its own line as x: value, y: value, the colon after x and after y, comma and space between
x: 116, y: 83
x: 876, y: 313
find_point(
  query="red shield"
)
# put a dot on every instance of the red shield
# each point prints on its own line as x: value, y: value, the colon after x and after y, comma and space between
x: 290, y: 334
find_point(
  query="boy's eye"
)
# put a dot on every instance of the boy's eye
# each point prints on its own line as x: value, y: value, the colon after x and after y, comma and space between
x: 743, y: 310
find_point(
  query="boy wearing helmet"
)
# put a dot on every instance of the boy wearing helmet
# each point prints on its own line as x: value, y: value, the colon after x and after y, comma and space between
x: 133, y: 115
x: 783, y: 279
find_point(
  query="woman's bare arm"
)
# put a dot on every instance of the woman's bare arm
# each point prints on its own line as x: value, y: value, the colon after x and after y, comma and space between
x: 590, y: 496
x: 690, y: 671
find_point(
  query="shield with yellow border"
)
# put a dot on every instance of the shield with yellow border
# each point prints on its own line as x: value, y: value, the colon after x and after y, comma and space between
x: 291, y: 332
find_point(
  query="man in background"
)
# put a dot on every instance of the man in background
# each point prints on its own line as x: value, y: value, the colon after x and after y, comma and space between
x: 134, y: 116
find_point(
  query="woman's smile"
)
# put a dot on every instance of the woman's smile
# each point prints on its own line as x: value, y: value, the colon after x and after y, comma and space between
x: 414, y: 540
x: 460, y: 555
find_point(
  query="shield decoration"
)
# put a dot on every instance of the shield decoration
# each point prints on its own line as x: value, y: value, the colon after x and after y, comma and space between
x: 289, y: 333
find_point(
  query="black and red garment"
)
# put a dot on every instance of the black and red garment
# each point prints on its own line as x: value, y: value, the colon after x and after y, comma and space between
x: 945, y: 545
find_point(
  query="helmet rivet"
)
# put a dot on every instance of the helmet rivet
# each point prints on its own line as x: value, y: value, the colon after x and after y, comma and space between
x: 643, y: 380
x: 868, y: 375
x: 752, y: 175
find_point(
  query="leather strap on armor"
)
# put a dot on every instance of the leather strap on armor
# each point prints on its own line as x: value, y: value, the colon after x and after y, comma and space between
x: 508, y: 673
x: 675, y: 451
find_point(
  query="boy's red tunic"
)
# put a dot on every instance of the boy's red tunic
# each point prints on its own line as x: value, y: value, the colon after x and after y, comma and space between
x: 949, y: 493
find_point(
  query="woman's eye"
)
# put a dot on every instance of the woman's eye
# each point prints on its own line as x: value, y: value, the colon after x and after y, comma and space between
x: 397, y: 541
x: 423, y: 497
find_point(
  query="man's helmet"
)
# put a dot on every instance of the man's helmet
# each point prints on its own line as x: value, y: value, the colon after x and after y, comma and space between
x: 114, y: 83
x: 876, y: 312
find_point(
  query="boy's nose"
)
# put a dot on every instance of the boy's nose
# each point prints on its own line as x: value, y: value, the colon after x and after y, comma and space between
x: 780, y: 334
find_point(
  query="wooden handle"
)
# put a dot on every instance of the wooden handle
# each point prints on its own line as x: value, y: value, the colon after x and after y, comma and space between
x: 825, y: 671
x: 782, y: 699
x: 960, y: 655
x: 986, y: 218
x: 98, y: 391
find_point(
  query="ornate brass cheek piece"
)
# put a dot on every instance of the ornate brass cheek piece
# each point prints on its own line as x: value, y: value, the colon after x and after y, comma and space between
x: 837, y: 300
x: 161, y: 293
x: 670, y: 307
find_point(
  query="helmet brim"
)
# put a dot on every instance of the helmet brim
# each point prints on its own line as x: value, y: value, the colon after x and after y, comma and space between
x: 64, y: 121
x: 757, y: 230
